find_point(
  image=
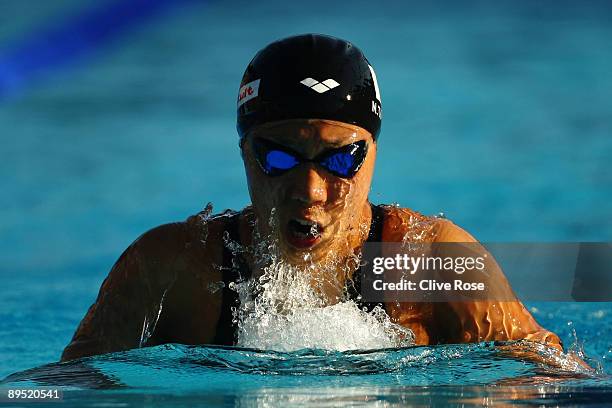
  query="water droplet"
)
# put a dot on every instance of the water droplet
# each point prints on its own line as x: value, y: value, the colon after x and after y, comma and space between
x: 214, y: 287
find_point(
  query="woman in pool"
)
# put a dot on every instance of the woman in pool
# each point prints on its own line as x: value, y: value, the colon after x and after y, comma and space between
x: 309, y: 116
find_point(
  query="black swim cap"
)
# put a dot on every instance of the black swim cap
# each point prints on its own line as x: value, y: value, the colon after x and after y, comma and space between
x: 309, y: 76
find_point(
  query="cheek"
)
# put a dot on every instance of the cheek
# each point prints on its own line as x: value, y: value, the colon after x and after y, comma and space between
x: 257, y: 181
x: 266, y: 192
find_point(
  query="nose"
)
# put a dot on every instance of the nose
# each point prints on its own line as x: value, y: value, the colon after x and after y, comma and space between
x: 309, y: 187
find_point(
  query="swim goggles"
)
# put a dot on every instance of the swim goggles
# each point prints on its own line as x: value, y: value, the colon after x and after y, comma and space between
x: 275, y: 159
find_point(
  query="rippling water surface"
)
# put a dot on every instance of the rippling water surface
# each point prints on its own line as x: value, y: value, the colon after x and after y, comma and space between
x: 228, y: 375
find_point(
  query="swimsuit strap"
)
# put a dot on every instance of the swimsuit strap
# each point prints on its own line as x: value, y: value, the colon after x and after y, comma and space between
x: 375, y: 235
x: 376, y: 226
x: 233, y: 269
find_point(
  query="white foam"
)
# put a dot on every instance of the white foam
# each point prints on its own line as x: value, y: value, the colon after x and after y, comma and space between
x: 286, y: 310
x: 287, y: 307
x: 339, y: 327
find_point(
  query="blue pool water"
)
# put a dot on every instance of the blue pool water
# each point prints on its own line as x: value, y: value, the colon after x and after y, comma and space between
x: 232, y: 376
x: 496, y: 114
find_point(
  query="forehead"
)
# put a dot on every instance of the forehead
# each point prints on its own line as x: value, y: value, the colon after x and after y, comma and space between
x: 311, y: 132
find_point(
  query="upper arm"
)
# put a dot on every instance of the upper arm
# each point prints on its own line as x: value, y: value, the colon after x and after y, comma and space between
x: 501, y: 316
x: 127, y: 308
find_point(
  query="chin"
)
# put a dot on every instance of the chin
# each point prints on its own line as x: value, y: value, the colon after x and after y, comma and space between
x: 301, y: 256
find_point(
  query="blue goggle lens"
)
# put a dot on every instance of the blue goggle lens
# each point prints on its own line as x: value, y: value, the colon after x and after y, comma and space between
x: 342, y: 162
x: 279, y: 160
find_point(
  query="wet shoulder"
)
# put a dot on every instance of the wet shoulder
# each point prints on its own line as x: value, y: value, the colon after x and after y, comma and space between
x: 209, y: 235
x: 407, y: 225
x: 194, y: 245
x: 215, y: 231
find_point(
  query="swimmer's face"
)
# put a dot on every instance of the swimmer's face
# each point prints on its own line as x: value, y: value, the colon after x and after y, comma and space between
x: 315, y: 212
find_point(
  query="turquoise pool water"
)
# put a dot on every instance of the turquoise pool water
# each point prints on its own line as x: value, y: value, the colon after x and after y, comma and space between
x: 497, y: 115
x: 180, y: 375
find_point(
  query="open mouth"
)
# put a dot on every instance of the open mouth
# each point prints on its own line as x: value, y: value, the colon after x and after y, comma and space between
x: 303, y: 233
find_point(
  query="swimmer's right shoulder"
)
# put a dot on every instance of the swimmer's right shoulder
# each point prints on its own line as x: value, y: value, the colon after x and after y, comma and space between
x: 200, y: 236
x: 173, y: 263
x: 195, y: 245
x: 195, y: 264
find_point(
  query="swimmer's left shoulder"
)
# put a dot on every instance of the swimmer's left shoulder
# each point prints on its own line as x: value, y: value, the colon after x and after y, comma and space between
x: 407, y: 225
x: 447, y: 231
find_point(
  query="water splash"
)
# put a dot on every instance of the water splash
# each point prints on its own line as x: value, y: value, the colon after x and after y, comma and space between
x: 214, y: 287
x: 286, y: 307
x: 576, y: 348
x: 201, y: 221
x: 150, y: 322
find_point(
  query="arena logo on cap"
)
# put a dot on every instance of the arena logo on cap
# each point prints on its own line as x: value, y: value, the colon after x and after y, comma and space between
x: 319, y: 87
x: 248, y: 91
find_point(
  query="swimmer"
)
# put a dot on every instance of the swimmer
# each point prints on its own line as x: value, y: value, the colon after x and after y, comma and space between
x: 309, y: 118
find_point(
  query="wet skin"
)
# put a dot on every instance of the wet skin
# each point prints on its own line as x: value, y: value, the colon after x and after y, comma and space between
x: 308, y: 193
x: 179, y: 262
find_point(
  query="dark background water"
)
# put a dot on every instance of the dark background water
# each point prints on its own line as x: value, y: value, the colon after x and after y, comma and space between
x: 114, y: 120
